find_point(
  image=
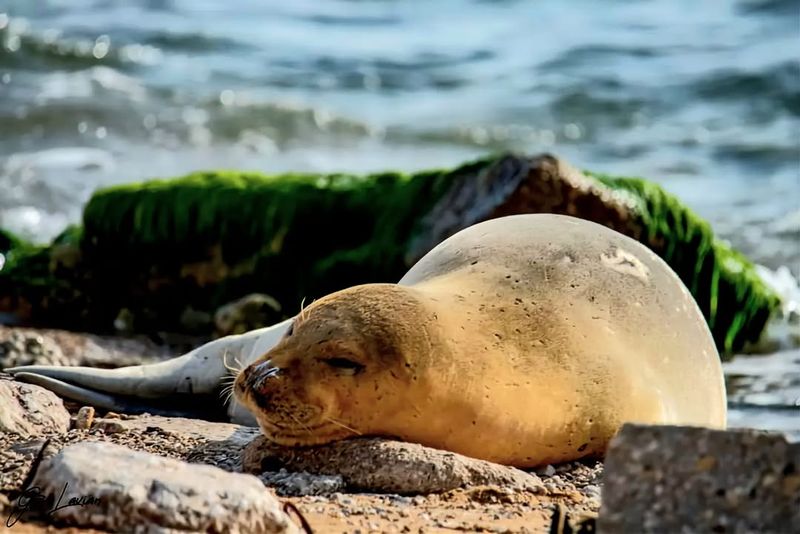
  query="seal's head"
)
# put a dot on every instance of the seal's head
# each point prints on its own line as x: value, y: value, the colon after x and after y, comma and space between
x: 345, y: 367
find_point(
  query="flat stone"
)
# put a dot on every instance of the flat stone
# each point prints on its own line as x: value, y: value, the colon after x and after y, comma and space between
x: 30, y: 410
x: 194, y: 428
x: 685, y: 479
x: 126, y: 490
x: 385, y: 466
x: 221, y: 444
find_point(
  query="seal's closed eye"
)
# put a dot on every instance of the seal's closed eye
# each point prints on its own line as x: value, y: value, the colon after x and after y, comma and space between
x: 344, y: 364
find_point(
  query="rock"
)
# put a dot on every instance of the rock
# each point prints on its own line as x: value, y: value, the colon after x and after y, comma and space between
x: 30, y: 410
x: 195, y: 321
x: 84, y: 418
x: 302, y: 484
x: 34, y: 346
x: 547, y: 471
x: 250, y: 312
x: 109, y: 427
x: 125, y: 490
x: 384, y: 466
x: 682, y: 479
x: 21, y: 347
x: 180, y: 426
x: 221, y: 443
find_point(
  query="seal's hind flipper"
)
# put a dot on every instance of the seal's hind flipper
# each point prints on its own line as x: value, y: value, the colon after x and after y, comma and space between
x: 119, y: 381
x: 70, y: 391
x: 193, y: 407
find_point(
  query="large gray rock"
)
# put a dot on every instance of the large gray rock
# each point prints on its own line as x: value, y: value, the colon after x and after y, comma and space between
x: 683, y: 479
x: 384, y: 466
x: 125, y: 490
x: 30, y: 410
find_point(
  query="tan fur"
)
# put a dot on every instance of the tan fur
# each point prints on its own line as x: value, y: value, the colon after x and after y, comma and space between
x: 524, y: 340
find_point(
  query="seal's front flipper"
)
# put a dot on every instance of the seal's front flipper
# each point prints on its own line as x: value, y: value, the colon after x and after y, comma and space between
x: 191, y: 406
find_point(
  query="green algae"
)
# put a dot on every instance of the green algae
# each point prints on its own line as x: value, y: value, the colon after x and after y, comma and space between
x: 17, y: 251
x: 734, y: 299
x: 295, y: 235
x: 25, y: 268
x: 9, y: 241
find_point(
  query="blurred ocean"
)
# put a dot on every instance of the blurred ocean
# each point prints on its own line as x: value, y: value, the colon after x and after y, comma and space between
x: 702, y: 96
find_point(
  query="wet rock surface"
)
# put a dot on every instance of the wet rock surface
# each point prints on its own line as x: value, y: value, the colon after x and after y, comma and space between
x: 384, y: 466
x: 682, y: 479
x: 139, y: 490
x: 30, y: 410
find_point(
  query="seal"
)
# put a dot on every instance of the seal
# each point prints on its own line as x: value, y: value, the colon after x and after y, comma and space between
x: 524, y: 340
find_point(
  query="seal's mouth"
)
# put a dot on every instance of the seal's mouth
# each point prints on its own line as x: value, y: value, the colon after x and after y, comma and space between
x: 319, y: 434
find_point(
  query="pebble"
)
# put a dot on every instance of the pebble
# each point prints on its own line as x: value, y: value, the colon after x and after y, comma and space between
x: 592, y: 492
x: 547, y: 471
x: 110, y: 427
x: 85, y: 418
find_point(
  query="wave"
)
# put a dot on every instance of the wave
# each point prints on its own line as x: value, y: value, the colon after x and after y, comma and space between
x: 783, y: 330
x: 21, y: 47
x: 775, y: 88
x: 770, y: 7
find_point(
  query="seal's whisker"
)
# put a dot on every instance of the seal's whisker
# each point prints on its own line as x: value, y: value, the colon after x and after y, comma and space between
x: 225, y: 393
x: 228, y: 380
x: 230, y: 368
x: 296, y: 420
x: 339, y: 423
x: 302, y: 309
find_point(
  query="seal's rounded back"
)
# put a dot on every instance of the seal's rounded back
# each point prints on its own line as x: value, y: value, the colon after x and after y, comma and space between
x: 585, y: 292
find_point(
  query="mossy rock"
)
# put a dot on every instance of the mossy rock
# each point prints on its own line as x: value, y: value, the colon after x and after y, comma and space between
x: 157, y: 248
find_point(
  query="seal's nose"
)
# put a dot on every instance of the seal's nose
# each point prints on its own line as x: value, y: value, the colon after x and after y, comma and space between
x: 255, y: 375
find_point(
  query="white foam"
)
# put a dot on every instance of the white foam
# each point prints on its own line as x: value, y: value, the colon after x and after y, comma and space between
x: 783, y: 329
x: 80, y: 158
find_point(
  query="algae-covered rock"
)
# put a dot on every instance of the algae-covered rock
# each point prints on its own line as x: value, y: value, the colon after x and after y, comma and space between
x: 153, y: 250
